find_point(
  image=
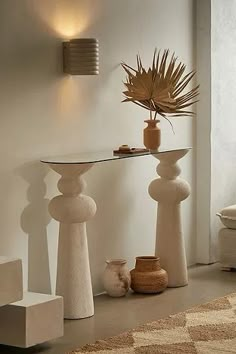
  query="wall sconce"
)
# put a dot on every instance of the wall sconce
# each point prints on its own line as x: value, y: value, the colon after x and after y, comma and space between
x: 81, y: 56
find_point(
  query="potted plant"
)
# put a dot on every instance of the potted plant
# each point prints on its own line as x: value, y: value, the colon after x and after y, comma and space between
x: 160, y: 90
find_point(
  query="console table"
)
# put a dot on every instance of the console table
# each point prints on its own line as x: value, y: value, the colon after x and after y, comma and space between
x: 73, y: 209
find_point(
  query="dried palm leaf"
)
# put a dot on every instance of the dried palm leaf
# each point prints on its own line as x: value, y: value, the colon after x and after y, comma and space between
x: 160, y: 88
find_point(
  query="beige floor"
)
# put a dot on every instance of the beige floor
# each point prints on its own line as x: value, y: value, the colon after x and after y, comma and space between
x: 113, y: 316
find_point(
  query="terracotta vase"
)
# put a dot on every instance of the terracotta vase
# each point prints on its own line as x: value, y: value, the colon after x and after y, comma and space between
x: 148, y: 277
x: 116, y: 278
x: 152, y: 134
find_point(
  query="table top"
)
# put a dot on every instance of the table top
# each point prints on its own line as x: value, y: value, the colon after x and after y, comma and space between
x: 94, y: 157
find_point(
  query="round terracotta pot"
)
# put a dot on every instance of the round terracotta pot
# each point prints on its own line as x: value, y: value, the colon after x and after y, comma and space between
x: 148, y: 277
x: 152, y: 134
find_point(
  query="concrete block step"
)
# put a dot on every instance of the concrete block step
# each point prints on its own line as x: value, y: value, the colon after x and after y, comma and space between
x: 36, y: 319
x: 11, y: 283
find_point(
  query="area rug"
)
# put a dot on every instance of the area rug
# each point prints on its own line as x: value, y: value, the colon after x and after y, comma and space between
x: 207, y: 329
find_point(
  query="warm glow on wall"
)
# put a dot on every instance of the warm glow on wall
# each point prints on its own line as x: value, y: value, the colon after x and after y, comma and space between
x: 68, y: 94
x: 66, y: 19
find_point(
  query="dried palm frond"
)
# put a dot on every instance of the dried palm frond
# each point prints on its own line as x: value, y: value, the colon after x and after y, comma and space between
x: 160, y: 88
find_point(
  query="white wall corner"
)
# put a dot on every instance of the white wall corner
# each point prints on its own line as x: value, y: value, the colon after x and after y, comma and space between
x: 203, y: 155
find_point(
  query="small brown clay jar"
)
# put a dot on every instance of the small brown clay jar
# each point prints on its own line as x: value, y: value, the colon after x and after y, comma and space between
x: 148, y: 277
x: 152, y: 134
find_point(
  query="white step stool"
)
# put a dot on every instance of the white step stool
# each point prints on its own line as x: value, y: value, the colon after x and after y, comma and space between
x: 35, y: 319
x: 227, y: 248
x: 11, y: 288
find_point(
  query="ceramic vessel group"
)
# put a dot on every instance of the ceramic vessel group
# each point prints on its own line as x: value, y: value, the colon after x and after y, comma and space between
x: 147, y: 277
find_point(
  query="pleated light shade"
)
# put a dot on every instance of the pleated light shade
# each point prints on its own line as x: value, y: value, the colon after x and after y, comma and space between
x: 81, y: 56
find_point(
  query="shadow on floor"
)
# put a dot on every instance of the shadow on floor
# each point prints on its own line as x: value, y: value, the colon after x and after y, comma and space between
x: 4, y: 349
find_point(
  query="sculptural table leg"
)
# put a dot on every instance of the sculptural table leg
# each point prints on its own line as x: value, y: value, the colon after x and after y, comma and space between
x: 72, y: 209
x: 169, y: 190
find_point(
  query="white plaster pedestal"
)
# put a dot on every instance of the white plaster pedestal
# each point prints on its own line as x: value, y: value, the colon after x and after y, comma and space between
x: 72, y: 209
x: 169, y: 190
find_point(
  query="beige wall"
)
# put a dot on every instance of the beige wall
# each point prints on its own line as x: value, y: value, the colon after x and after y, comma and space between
x: 203, y: 128
x: 44, y: 112
x: 223, y: 137
x: 216, y: 139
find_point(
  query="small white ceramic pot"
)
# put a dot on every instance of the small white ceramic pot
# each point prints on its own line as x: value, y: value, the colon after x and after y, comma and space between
x: 116, y: 278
